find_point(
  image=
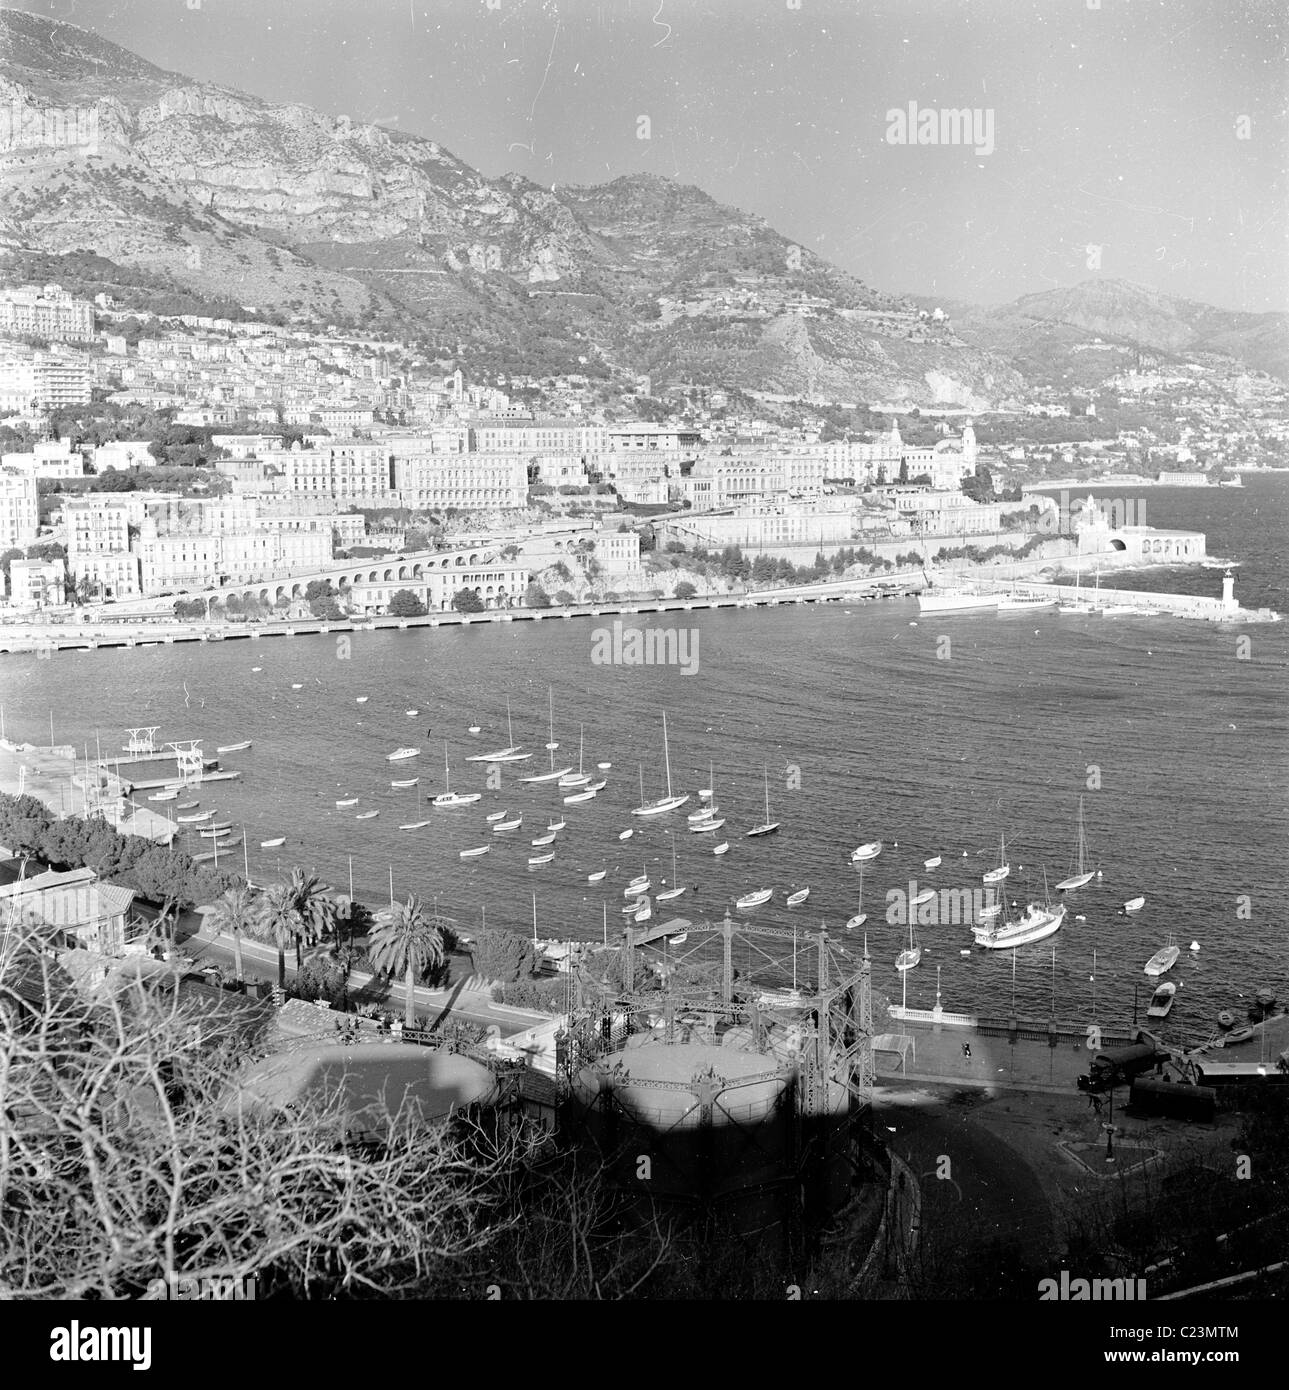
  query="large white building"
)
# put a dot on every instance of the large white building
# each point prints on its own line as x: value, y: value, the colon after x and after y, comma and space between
x: 48, y: 312
x: 467, y: 482
x: 53, y: 459
x: 538, y: 437
x: 19, y: 509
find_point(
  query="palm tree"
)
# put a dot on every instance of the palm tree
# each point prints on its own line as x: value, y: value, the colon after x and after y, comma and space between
x: 278, y: 924
x: 236, y: 912
x: 315, y: 911
x: 410, y: 943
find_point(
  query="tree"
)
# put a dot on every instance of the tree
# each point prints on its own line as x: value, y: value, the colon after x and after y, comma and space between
x: 314, y: 909
x: 685, y: 589
x: 410, y: 944
x: 124, y: 1164
x: 467, y: 601
x: 502, y: 955
x: 235, y: 912
x: 277, y: 924
x: 536, y: 597
x: 563, y: 597
x: 405, y: 604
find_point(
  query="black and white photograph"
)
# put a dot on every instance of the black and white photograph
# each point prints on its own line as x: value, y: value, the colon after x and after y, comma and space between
x: 642, y: 660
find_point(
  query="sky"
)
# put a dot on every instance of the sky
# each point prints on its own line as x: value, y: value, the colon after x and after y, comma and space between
x: 1145, y: 140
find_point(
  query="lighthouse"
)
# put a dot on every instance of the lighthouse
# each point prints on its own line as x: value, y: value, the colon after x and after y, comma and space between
x: 1229, y: 604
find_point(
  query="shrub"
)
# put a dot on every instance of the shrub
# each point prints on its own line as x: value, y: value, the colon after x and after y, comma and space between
x: 405, y: 604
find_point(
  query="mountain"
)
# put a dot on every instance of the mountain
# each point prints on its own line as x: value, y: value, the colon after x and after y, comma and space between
x: 196, y: 189
x: 1051, y: 335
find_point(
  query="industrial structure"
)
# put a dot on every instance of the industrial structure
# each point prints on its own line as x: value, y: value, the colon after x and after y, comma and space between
x: 721, y: 1089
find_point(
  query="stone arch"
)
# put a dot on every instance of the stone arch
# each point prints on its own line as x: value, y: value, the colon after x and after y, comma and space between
x: 474, y: 559
x: 460, y: 559
x: 402, y: 571
x: 372, y: 577
x: 418, y: 570
x: 297, y: 591
x: 389, y: 574
x: 1117, y: 544
x: 264, y: 596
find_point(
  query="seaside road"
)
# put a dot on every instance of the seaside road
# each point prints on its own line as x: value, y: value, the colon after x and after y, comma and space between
x: 976, y: 1190
x: 260, y: 962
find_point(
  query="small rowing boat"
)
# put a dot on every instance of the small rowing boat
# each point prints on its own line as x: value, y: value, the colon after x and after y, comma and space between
x: 471, y: 853
x: 535, y: 859
x: 344, y: 805
x: 233, y: 747
x: 366, y: 815
x: 596, y: 877
x: 407, y: 782
x: 273, y: 844
x: 414, y: 825
x: 751, y: 900
x: 626, y: 834
x: 494, y: 816
x: 796, y: 899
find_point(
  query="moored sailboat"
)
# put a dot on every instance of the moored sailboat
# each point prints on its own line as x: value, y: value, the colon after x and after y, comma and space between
x: 1080, y: 875
x: 767, y: 826
x: 670, y: 801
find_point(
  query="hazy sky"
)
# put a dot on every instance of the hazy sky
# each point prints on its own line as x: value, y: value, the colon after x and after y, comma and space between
x: 1115, y: 123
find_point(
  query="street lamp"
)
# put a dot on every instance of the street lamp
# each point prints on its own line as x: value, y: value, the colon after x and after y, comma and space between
x: 1109, y: 1130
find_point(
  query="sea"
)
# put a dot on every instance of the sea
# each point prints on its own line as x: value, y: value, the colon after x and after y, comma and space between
x: 939, y: 737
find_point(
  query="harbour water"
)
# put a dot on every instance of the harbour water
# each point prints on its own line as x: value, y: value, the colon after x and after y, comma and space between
x: 934, y: 735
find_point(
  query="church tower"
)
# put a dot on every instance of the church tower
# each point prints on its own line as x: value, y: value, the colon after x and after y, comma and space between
x: 969, y: 446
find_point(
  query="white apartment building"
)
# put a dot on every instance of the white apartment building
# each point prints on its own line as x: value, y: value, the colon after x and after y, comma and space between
x: 562, y: 470
x: 347, y: 470
x: 35, y: 584
x: 617, y: 551
x: 53, y: 459
x: 538, y: 437
x: 46, y: 312
x: 98, y: 542
x: 31, y: 381
x: 111, y: 575
x: 637, y: 435
x: 19, y: 510
x: 468, y: 482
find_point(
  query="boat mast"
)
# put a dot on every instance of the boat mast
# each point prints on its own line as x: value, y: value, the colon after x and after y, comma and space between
x: 606, y: 923
x: 666, y: 753
x: 534, y: 919
x: 766, y: 771
x: 550, y: 697
x: 581, y: 735
x: 510, y: 733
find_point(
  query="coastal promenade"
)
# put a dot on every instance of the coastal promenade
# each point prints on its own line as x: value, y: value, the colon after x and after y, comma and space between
x: 48, y: 638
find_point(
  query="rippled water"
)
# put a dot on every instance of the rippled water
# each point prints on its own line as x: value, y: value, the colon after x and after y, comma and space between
x: 871, y: 726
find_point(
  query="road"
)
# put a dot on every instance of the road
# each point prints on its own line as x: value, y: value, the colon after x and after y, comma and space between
x: 259, y: 962
x: 979, y: 1196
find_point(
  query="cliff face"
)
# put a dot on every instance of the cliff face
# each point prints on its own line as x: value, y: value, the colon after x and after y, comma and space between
x: 284, y: 208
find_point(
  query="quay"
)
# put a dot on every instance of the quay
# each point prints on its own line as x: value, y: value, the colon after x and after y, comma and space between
x: 52, y: 776
x: 141, y: 632
x: 145, y: 633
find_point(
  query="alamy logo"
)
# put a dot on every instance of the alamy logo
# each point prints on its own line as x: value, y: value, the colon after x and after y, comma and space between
x: 930, y: 126
x: 653, y: 646
x: 77, y: 1343
x: 944, y: 907
x: 1091, y: 1290
x: 203, y: 1287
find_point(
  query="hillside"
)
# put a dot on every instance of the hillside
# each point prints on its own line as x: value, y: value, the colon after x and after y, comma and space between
x: 206, y: 191
x: 1049, y: 333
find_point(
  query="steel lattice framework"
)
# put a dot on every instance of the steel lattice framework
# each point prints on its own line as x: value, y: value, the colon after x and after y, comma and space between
x: 730, y: 970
